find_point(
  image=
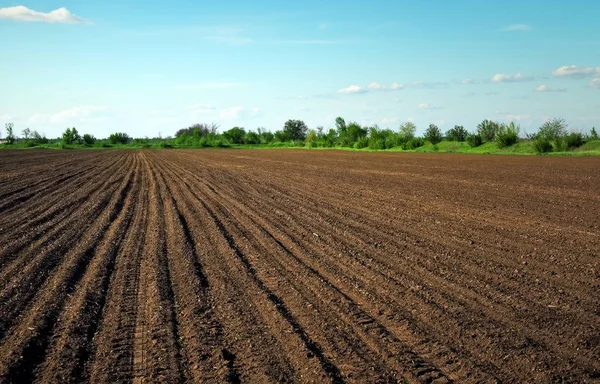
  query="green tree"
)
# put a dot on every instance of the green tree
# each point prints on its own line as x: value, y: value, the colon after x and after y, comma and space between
x: 458, y: 133
x: 553, y: 129
x: 487, y: 129
x: 507, y: 135
x: 296, y: 129
x: 593, y: 134
x: 407, y: 130
x: 235, y: 135
x: 10, y: 136
x: 88, y: 139
x: 69, y: 136
x: 119, y: 138
x: 252, y: 138
x: 39, y: 139
x: 433, y: 134
x: 26, y: 133
x: 340, y: 125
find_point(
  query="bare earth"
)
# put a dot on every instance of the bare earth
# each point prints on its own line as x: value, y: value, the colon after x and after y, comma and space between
x: 298, y: 266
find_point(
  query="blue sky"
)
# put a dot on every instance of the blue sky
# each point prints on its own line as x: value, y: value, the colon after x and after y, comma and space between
x: 146, y: 67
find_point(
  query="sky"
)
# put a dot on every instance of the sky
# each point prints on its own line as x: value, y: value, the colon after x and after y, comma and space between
x: 150, y: 67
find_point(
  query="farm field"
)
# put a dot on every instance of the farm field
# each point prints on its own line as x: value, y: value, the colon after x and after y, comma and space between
x: 298, y: 266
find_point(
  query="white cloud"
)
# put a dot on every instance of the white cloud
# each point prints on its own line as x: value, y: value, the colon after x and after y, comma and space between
x: 469, y: 81
x: 80, y: 113
x: 429, y: 106
x: 505, y: 78
x: 595, y: 83
x: 199, y: 109
x: 22, y: 13
x: 352, y: 89
x: 518, y: 27
x: 575, y: 71
x: 372, y: 87
x: 545, y: 88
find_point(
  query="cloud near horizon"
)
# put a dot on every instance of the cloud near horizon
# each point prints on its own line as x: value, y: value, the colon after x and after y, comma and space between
x: 428, y: 106
x: 506, y: 78
x: 60, y: 15
x: 575, y: 71
x: 372, y: 87
x: 545, y: 88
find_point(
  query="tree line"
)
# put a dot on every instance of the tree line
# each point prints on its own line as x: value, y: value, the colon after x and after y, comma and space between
x: 553, y: 135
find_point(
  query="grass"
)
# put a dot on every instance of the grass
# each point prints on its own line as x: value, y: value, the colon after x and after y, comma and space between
x: 523, y: 147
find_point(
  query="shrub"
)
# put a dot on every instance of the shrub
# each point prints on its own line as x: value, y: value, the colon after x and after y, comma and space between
x: 542, y: 145
x: 560, y: 144
x: 235, y: 135
x: 507, y: 135
x: 10, y: 136
x: 474, y: 140
x: 296, y: 129
x: 458, y: 133
x: 71, y: 136
x: 553, y: 129
x: 574, y: 140
x: 252, y: 138
x: 39, y: 139
x: 164, y: 145
x: 118, y: 138
x: 433, y: 134
x: 407, y: 130
x: 413, y: 143
x: 487, y: 129
x: 362, y: 142
x: 89, y: 139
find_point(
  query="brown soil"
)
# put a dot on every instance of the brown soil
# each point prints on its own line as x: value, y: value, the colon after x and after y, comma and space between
x: 298, y: 266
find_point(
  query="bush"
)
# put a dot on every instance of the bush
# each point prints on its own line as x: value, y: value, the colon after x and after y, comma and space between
x: 118, y: 138
x: 560, y: 144
x: 39, y: 139
x: 553, y: 129
x: 235, y: 135
x: 10, y: 137
x: 433, y: 134
x: 407, y: 130
x: 542, y: 145
x: 296, y: 129
x: 488, y: 129
x: 507, y: 135
x: 164, y: 145
x: 574, y: 140
x: 417, y: 142
x: 458, y: 133
x: 474, y: 140
x: 71, y: 136
x: 252, y: 138
x: 89, y: 139
x: 362, y: 142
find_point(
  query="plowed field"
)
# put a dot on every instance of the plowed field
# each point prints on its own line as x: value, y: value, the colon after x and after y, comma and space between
x: 298, y: 266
